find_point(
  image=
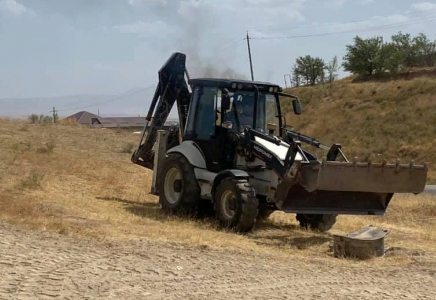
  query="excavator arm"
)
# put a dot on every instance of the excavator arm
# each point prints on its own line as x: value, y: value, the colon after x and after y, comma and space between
x: 171, y: 89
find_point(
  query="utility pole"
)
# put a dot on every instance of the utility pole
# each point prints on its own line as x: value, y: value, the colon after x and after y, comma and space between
x: 54, y: 111
x: 249, y: 56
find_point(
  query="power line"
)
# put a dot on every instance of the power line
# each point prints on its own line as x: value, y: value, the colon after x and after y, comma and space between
x: 119, y: 97
x: 81, y: 101
x: 67, y: 107
x: 386, y: 26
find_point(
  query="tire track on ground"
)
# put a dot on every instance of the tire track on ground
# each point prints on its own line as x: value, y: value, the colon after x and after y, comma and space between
x: 36, y: 265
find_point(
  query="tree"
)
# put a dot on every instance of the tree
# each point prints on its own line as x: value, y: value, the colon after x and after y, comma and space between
x: 405, y: 45
x: 363, y: 57
x: 332, y: 67
x: 295, y: 80
x: 392, y: 59
x: 425, y: 50
x: 309, y: 69
x: 417, y: 51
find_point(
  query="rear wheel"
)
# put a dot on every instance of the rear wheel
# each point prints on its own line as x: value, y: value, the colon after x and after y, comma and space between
x: 178, y: 187
x: 236, y: 204
x: 316, y: 222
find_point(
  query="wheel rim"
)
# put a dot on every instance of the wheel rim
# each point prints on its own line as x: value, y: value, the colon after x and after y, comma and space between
x: 228, y: 204
x: 172, y: 180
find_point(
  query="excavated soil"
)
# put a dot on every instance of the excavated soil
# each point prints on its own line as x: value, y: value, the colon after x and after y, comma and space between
x: 43, y: 265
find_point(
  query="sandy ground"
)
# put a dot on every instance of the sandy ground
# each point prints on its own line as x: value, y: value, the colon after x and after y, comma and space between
x: 47, y: 265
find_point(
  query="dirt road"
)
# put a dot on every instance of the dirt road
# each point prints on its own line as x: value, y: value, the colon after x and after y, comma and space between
x: 46, y: 265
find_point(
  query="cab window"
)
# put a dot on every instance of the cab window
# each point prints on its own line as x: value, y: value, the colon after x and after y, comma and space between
x: 205, y: 115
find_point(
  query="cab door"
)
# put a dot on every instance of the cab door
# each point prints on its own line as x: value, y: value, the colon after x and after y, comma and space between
x: 204, y: 125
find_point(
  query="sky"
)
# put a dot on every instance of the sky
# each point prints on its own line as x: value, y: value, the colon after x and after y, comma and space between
x: 54, y: 48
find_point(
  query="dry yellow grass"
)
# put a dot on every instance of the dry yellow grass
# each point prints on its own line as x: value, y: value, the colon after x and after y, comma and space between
x: 379, y: 119
x: 86, y: 185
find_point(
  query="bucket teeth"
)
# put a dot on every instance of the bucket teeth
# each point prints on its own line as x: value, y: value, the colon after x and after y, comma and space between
x: 355, y: 161
x: 397, y: 165
x: 412, y: 163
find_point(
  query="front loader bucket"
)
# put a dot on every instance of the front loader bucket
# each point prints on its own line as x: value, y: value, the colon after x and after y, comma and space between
x: 335, y: 187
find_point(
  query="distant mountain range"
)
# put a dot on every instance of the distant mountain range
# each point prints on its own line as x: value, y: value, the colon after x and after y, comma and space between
x: 134, y: 102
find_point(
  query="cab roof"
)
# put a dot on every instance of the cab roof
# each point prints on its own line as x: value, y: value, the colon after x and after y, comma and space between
x: 233, y: 83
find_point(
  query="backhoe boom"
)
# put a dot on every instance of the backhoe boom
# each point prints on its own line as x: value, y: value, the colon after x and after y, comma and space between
x: 172, y: 87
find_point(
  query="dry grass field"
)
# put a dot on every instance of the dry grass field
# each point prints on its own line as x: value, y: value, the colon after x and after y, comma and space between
x: 77, y: 220
x: 77, y: 181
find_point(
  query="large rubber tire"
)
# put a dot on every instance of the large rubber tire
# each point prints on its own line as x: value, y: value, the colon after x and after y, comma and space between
x: 179, y: 191
x: 316, y: 222
x: 236, y: 204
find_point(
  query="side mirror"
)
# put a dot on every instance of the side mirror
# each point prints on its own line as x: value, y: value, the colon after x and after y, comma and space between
x: 296, y: 106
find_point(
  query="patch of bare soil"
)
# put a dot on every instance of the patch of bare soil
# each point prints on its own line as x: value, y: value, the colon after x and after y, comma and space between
x: 44, y: 265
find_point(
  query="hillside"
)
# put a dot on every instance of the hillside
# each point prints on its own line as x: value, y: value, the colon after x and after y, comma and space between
x: 378, y: 119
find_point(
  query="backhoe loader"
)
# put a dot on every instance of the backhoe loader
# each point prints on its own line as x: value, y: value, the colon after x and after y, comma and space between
x: 232, y: 150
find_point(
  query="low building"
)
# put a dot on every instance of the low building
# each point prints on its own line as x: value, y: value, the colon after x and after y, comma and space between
x: 91, y: 120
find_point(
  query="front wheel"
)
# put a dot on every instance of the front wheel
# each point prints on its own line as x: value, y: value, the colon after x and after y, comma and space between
x: 178, y: 187
x: 236, y: 204
x: 316, y: 222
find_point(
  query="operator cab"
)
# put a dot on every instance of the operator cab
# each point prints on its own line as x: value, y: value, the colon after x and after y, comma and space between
x: 220, y: 106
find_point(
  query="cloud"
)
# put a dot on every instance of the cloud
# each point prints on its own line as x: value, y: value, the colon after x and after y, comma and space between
x: 423, y: 6
x: 154, y: 2
x: 370, y: 23
x: 14, y: 8
x: 294, y: 15
x: 259, y: 1
x: 341, y: 2
x: 99, y: 66
x: 141, y: 27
